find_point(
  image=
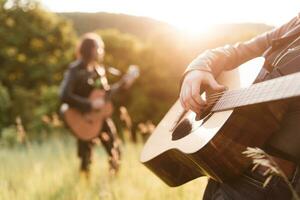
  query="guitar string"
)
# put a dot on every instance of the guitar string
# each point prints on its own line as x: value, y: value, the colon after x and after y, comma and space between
x: 214, y: 96
x: 231, y: 93
x: 217, y: 98
x: 212, y: 99
x: 222, y: 97
x: 218, y: 95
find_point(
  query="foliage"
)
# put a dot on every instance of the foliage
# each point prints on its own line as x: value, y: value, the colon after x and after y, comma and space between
x: 261, y: 158
x: 35, y: 46
x: 9, y: 136
x: 122, y: 49
x: 5, y: 103
x: 30, y: 53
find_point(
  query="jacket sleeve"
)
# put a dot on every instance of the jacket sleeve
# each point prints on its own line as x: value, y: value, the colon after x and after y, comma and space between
x: 231, y: 56
x: 67, y: 94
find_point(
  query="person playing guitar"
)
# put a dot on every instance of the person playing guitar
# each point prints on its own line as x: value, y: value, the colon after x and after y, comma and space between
x: 283, y: 145
x: 80, y: 81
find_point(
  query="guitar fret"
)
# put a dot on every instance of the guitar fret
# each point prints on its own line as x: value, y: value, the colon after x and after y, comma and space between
x: 266, y: 91
x: 254, y: 98
x: 237, y: 98
x: 232, y: 97
x: 248, y: 96
x: 275, y: 89
x: 297, y: 83
x: 269, y: 88
x: 284, y: 88
x: 295, y: 90
x: 289, y: 87
x: 223, y: 102
x: 241, y: 97
x: 261, y: 94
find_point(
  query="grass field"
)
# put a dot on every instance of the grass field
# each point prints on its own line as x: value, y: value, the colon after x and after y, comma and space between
x: 50, y: 171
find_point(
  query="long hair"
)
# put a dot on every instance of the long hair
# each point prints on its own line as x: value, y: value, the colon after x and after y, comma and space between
x: 88, y: 42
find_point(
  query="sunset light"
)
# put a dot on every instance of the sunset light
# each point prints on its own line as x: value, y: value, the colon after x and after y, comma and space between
x: 189, y: 15
x: 102, y: 99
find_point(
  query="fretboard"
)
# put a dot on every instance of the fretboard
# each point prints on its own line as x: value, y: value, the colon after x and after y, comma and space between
x: 276, y: 89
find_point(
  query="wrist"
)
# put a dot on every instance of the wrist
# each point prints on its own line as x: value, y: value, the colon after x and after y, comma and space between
x: 200, y: 68
x: 199, y: 71
x: 196, y: 69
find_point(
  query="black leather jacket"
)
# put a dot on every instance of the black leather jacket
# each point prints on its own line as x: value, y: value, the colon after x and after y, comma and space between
x: 77, y: 86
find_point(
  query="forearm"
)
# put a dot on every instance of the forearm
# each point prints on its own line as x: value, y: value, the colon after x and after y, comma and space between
x: 231, y: 56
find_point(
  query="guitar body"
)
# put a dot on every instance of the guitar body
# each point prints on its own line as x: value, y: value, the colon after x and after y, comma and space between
x: 213, y: 146
x: 87, y: 126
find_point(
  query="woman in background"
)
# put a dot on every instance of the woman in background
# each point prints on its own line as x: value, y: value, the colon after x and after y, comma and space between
x: 78, y: 83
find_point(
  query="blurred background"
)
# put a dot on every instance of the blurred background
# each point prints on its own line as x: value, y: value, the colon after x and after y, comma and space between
x: 37, y: 42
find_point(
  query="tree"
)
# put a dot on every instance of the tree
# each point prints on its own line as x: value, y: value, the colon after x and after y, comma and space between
x: 5, y: 103
x: 35, y: 47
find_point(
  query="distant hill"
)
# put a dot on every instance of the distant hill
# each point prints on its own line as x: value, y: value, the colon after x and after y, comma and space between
x: 144, y: 27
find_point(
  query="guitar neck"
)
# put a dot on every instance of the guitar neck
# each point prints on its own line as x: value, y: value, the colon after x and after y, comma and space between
x: 276, y: 89
x: 115, y: 88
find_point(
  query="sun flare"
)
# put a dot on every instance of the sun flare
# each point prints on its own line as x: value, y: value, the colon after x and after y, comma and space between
x: 192, y: 16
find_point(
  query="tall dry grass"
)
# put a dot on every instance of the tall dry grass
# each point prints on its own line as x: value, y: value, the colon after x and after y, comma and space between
x: 49, y: 171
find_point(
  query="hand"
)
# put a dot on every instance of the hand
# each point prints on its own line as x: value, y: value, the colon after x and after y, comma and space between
x: 128, y: 83
x: 97, y: 104
x: 192, y: 84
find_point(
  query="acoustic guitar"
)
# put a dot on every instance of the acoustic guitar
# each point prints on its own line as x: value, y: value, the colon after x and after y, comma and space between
x: 86, y: 126
x: 185, y: 146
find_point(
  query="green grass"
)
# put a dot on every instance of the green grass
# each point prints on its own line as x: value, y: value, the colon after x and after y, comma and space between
x: 50, y: 171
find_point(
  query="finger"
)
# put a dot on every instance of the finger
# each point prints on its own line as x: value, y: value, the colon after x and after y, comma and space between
x: 215, y: 85
x: 196, y: 95
x: 186, y: 92
x: 197, y: 108
x: 182, y: 96
x: 192, y: 103
x: 181, y: 100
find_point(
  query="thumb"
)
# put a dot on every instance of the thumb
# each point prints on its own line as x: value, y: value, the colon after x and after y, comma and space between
x: 215, y: 85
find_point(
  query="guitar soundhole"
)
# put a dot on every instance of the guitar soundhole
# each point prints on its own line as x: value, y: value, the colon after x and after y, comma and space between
x: 183, y: 129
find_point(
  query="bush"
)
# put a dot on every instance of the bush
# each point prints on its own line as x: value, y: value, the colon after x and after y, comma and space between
x: 35, y: 48
x: 9, y: 136
x: 5, y: 103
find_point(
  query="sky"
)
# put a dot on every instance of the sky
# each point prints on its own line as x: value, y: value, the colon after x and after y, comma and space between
x: 189, y: 15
